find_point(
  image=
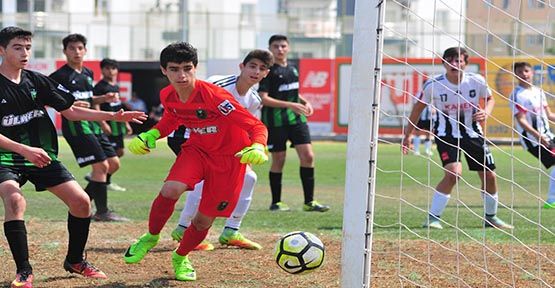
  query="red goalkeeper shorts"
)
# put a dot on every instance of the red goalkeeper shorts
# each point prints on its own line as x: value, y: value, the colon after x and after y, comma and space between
x: 223, y: 179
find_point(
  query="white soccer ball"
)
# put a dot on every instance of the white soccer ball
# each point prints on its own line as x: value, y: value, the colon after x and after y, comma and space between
x: 299, y: 252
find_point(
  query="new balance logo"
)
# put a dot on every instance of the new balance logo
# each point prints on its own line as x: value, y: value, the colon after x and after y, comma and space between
x: 316, y: 79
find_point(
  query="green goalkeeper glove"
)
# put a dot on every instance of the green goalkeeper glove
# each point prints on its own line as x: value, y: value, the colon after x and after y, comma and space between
x: 254, y: 154
x: 142, y: 144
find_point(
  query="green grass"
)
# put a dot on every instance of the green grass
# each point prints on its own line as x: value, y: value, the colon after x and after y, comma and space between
x: 143, y: 177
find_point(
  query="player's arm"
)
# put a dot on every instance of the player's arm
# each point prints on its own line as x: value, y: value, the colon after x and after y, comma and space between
x: 108, y: 97
x: 35, y: 155
x: 307, y: 104
x: 483, y: 114
x: 74, y: 113
x: 417, y: 109
x: 520, y: 117
x: 269, y: 101
x: 145, y: 141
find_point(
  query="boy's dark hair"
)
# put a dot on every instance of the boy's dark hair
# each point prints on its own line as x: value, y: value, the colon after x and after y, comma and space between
x: 178, y: 52
x: 263, y: 55
x: 521, y: 65
x: 11, y: 32
x: 452, y: 52
x: 109, y: 63
x: 277, y: 37
x: 74, y: 38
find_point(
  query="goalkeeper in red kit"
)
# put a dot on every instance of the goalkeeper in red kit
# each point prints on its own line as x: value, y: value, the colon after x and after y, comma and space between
x: 224, y: 138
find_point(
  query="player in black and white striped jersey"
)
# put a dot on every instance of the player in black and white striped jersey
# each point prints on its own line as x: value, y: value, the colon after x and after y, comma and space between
x: 456, y: 97
x: 532, y: 115
x: 254, y: 68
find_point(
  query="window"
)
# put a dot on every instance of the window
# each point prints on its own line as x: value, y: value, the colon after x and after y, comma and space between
x: 100, y: 7
x: 505, y: 4
x: 538, y: 4
x: 282, y: 6
x: 247, y: 14
x: 534, y: 40
x: 58, y: 5
x: 22, y: 6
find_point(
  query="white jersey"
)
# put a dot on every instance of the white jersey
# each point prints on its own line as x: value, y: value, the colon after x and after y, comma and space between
x: 532, y: 103
x: 251, y: 101
x: 455, y: 104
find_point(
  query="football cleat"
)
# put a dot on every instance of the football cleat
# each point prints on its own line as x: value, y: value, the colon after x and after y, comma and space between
x: 432, y: 222
x: 85, y: 269
x: 279, y: 206
x: 177, y: 235
x: 231, y: 237
x: 314, y: 206
x: 496, y: 222
x: 115, y: 187
x: 137, y: 251
x: 23, y: 280
x: 183, y: 268
x: 108, y: 216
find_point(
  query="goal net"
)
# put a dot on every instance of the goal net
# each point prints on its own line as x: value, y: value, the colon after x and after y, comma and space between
x: 389, y: 195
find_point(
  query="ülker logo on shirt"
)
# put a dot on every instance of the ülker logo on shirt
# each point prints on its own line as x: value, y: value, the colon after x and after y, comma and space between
x: 14, y: 120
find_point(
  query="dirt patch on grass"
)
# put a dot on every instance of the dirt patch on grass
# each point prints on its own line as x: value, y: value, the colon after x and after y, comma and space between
x: 394, y: 264
x: 223, y: 267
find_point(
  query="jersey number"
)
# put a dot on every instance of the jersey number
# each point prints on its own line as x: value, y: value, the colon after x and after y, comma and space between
x: 443, y: 97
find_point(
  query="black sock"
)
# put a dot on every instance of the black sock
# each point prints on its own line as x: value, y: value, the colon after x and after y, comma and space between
x: 108, y: 179
x: 78, y: 229
x: 98, y: 191
x: 275, y: 186
x: 17, y: 239
x: 307, y: 179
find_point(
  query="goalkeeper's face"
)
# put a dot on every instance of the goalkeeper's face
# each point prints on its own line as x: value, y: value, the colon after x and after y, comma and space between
x: 181, y: 75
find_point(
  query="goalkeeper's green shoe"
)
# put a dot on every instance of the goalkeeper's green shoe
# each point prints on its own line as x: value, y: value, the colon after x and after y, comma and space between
x: 137, y: 251
x: 314, y: 206
x: 549, y: 205
x: 232, y: 237
x: 183, y: 268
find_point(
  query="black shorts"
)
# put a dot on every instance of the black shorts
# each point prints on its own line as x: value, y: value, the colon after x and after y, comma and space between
x: 90, y: 149
x: 43, y: 178
x: 424, y: 125
x: 477, y: 153
x: 278, y: 136
x: 175, y: 144
x: 116, y: 141
x: 547, y: 157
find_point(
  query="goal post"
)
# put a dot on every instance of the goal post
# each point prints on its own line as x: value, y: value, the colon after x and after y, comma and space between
x: 362, y: 143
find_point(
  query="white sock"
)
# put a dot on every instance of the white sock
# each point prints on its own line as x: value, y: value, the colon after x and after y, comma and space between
x: 428, y: 145
x: 490, y: 203
x: 245, y: 199
x: 551, y: 192
x: 416, y: 143
x: 439, y: 202
x: 191, y: 205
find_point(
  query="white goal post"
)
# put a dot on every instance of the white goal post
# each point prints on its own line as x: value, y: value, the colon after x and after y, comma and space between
x: 362, y: 143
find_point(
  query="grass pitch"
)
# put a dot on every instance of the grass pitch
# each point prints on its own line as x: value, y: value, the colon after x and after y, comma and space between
x: 402, y: 253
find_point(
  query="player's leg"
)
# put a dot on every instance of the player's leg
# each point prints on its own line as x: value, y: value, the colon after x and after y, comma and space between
x: 187, y: 170
x: 14, y: 227
x: 480, y: 159
x: 117, y: 144
x: 452, y: 170
x: 300, y: 138
x: 428, y: 144
x: 416, y: 143
x: 60, y: 182
x: 277, y: 139
x: 547, y: 158
x: 189, y: 211
x: 193, y: 236
x: 230, y: 235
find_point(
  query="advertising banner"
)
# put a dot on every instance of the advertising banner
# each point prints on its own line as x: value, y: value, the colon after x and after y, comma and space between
x: 316, y: 85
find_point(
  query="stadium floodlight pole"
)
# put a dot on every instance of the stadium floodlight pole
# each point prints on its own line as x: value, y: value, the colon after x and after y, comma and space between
x: 362, y: 143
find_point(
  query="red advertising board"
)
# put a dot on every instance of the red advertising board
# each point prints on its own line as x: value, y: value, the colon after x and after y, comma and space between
x: 316, y: 85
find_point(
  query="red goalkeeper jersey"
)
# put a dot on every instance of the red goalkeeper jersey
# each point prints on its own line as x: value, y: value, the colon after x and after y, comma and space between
x: 219, y: 124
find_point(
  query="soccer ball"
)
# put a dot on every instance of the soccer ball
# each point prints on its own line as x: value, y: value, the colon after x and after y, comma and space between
x: 299, y: 252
